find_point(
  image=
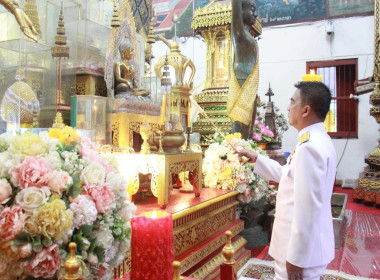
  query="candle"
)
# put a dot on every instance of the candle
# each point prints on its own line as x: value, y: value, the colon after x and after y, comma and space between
x: 311, y: 77
x: 188, y: 116
x: 163, y: 109
x: 169, y: 106
x: 152, y: 246
x: 172, y: 112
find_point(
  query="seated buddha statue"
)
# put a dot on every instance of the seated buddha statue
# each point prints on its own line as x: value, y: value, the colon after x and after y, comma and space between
x: 125, y: 81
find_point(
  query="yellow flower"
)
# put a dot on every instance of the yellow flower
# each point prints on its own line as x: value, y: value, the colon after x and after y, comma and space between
x: 236, y: 135
x: 225, y: 174
x: 27, y: 144
x: 65, y: 135
x: 72, y: 135
x: 58, y: 134
x: 229, y: 137
x: 53, y: 220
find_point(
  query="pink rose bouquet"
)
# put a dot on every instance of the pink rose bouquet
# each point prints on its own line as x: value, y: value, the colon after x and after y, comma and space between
x: 55, y: 188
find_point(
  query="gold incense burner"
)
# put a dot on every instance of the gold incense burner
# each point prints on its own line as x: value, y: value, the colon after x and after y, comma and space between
x: 171, y: 141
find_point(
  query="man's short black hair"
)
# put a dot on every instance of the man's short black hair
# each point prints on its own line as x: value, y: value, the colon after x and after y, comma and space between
x: 317, y: 95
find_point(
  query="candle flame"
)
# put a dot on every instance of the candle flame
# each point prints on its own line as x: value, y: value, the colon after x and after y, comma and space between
x: 312, y: 72
x: 154, y: 214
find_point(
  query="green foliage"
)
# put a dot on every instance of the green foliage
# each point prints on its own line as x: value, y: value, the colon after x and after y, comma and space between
x: 75, y: 189
x: 23, y: 238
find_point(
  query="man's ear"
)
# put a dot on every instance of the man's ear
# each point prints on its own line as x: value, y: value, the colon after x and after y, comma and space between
x: 306, y: 111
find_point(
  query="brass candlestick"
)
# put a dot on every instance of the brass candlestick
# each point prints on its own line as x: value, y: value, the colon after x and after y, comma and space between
x: 160, y: 149
x: 145, y: 133
x: 188, y: 149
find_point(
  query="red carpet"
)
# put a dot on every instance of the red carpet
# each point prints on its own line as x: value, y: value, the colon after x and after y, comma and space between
x: 360, y: 252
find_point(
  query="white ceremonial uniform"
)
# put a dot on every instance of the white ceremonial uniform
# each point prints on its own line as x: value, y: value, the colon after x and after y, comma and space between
x: 303, y: 229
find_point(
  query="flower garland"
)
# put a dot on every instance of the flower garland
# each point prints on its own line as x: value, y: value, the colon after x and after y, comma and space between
x: 222, y: 169
x: 55, y: 188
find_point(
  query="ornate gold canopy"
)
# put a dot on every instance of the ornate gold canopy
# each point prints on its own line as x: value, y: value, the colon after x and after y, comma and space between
x: 217, y: 13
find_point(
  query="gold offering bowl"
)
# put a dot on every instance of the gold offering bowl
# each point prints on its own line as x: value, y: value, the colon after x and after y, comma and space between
x: 171, y: 141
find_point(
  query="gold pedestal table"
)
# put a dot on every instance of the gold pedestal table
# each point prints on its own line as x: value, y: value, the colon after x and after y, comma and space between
x: 162, y: 167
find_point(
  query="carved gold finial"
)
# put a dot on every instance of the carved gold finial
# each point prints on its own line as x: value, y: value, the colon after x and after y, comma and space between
x: 165, y: 80
x: 179, y: 62
x: 72, y: 264
x: 115, y: 21
x: 151, y: 37
x: 176, y: 265
x: 58, y: 121
x: 228, y: 250
x: 60, y: 48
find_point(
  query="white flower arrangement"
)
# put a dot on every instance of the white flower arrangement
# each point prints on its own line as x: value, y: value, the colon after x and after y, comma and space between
x: 222, y: 168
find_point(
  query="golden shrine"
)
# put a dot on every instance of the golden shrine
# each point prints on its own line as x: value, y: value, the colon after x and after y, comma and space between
x: 200, y: 217
x: 368, y: 189
x: 213, y: 23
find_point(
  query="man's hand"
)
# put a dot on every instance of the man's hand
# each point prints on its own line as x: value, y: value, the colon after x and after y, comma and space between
x: 294, y: 272
x: 252, y: 155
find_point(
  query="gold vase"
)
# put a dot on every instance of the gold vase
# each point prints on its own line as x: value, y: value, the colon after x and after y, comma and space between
x: 171, y: 141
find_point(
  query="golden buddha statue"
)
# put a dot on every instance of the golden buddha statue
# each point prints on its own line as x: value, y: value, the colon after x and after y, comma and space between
x: 125, y: 81
x: 19, y: 103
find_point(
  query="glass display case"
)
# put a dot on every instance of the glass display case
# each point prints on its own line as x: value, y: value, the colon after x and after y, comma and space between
x: 87, y: 28
x: 28, y: 73
x: 91, y: 116
x: 153, y: 85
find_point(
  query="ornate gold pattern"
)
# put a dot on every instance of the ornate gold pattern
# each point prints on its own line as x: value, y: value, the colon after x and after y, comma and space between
x: 201, y: 254
x: 193, y: 213
x: 216, y: 14
x: 124, y: 124
x: 206, y: 269
x: 202, y: 228
x: 158, y: 165
x: 213, y: 14
x: 240, y: 102
x: 212, y: 95
x: 369, y: 184
x: 178, y: 167
x: 183, y: 221
x: 179, y: 62
x: 60, y: 49
x: 31, y: 10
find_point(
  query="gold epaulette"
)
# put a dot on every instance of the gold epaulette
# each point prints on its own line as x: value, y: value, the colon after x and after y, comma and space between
x: 305, y: 137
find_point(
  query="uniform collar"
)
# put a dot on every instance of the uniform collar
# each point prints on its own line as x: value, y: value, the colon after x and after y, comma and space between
x: 320, y: 126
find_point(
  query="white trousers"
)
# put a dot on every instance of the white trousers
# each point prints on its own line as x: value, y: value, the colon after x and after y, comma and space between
x: 309, y: 273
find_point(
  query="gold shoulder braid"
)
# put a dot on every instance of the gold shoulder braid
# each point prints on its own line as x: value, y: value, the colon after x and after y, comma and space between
x: 305, y: 137
x: 240, y: 100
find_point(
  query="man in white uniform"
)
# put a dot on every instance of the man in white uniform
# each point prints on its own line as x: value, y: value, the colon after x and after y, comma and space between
x: 302, y: 241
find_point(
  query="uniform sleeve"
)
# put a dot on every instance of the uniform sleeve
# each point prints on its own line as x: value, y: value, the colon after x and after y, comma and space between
x: 309, y: 178
x: 268, y: 168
